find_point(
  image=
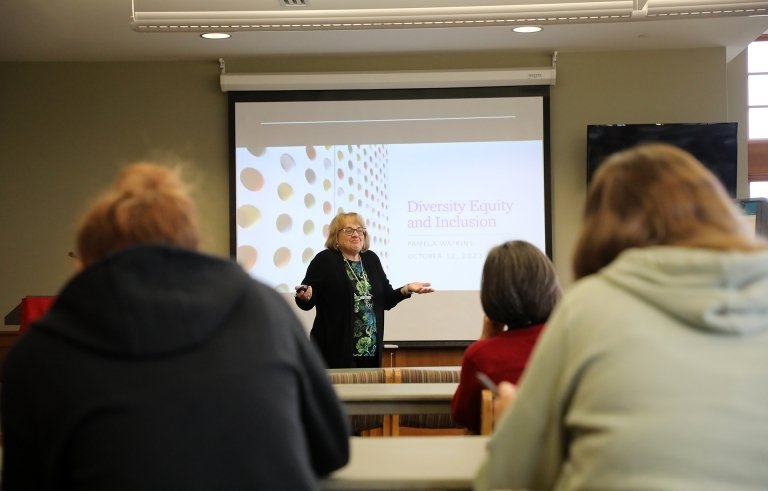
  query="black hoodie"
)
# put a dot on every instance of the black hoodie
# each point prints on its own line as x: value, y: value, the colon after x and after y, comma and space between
x: 162, y: 368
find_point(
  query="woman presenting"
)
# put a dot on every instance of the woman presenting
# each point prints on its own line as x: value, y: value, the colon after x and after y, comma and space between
x: 350, y: 291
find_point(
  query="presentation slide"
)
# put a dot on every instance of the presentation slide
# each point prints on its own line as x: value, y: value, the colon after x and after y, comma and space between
x: 438, y: 181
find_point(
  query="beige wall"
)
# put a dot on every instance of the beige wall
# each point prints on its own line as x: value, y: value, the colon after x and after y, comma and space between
x: 622, y: 87
x: 65, y: 128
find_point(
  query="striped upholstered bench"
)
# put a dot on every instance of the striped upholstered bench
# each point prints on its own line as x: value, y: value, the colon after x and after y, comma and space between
x: 426, y: 424
x: 367, y: 424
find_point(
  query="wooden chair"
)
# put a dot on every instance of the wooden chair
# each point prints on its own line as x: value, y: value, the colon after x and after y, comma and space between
x: 368, y: 424
x: 425, y: 424
x: 486, y: 412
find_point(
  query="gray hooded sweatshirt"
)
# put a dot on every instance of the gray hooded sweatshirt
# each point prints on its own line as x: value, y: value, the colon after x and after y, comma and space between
x: 651, y: 375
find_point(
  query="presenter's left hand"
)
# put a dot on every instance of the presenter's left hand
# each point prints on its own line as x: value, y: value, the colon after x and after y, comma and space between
x: 419, y: 287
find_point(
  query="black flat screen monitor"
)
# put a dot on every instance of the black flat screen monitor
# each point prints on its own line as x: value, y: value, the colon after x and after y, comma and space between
x: 714, y: 144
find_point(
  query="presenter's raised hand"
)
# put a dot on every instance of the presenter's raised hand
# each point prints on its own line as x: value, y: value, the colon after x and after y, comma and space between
x: 417, y: 287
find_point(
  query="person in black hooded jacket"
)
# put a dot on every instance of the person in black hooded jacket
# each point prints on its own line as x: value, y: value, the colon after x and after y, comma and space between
x: 159, y: 367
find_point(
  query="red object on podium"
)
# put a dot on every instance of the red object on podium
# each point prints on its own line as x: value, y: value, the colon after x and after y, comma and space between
x: 32, y: 308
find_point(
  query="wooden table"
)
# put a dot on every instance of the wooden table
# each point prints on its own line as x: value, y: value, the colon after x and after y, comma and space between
x: 424, y: 398
x: 410, y: 463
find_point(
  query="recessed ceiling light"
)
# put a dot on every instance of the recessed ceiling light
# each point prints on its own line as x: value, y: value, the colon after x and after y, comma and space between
x: 527, y: 29
x: 215, y: 35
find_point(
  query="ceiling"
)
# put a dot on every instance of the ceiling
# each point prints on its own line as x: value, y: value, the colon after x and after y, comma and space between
x: 101, y: 30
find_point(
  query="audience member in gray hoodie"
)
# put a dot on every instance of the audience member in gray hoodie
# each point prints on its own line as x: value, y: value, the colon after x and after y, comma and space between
x: 652, y: 372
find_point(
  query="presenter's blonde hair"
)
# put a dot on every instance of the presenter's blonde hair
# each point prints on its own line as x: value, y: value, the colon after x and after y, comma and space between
x: 342, y: 220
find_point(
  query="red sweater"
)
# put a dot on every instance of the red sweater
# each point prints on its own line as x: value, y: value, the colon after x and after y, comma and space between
x: 502, y: 357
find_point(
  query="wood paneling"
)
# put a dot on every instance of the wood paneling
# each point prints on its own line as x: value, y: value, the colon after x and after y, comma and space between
x: 758, y: 160
x: 422, y: 357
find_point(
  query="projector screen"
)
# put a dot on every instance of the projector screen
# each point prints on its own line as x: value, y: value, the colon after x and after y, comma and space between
x: 439, y: 175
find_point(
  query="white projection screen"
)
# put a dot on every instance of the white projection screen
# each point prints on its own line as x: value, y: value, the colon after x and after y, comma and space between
x: 439, y: 175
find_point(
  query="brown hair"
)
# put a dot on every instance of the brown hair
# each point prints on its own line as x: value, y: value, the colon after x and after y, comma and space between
x: 519, y: 286
x: 147, y: 203
x: 656, y: 194
x: 340, y: 221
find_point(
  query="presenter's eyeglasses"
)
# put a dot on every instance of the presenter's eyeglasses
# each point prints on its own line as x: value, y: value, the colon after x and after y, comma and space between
x: 359, y: 231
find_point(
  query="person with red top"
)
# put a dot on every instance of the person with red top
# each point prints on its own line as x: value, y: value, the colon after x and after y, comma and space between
x: 519, y: 289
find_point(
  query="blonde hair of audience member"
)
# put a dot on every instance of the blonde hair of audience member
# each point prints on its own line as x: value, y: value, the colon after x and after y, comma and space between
x: 656, y: 194
x: 147, y: 203
x: 341, y: 221
x: 519, y: 286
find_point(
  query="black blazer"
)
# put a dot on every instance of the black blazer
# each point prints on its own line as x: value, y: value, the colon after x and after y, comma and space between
x: 332, y: 296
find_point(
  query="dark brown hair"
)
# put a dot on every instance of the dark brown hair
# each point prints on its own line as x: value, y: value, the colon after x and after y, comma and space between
x: 519, y: 286
x: 656, y: 194
x: 147, y: 203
